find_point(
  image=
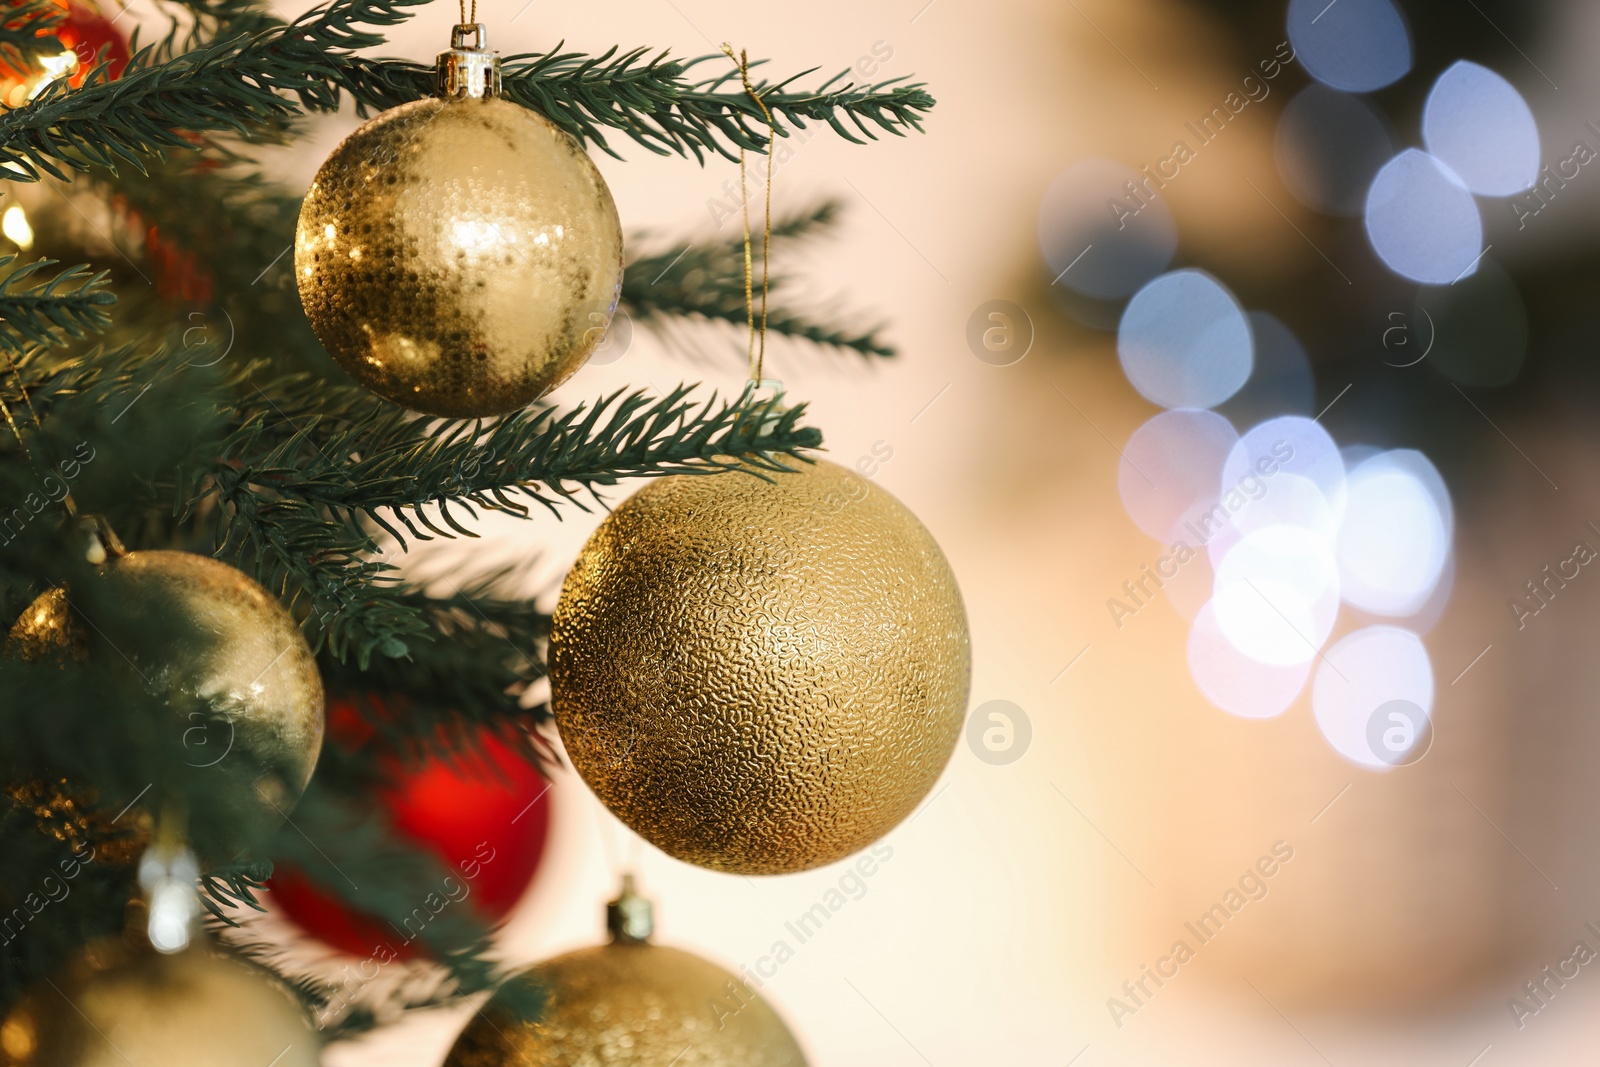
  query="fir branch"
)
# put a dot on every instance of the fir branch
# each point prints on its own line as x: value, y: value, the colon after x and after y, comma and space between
x: 28, y: 33
x: 115, y: 424
x: 651, y: 99
x: 439, y: 699
x: 146, y: 113
x: 50, y: 904
x: 210, y: 20
x: 338, y: 844
x: 298, y: 482
x: 858, y: 113
x: 346, y: 1009
x: 705, y: 282
x: 243, y: 82
x: 225, y: 232
x: 236, y: 84
x: 371, y: 459
x: 362, y: 1019
x: 318, y: 565
x: 231, y: 886
x: 51, y: 309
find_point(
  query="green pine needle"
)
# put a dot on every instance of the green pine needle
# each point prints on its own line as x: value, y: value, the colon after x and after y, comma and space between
x: 47, y: 310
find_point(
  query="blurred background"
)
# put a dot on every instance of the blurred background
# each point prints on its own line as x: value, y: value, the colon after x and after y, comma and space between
x: 1317, y: 790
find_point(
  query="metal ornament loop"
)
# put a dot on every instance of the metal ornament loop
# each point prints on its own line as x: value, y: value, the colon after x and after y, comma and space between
x: 469, y: 69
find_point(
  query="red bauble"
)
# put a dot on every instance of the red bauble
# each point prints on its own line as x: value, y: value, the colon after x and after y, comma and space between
x: 179, y: 275
x: 485, y: 815
x: 87, y: 34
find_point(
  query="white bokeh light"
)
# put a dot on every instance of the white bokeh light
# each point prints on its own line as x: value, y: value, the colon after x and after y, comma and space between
x: 1184, y: 341
x: 1284, y: 499
x: 1291, y: 444
x: 1171, y: 464
x: 1422, y: 220
x: 1395, y: 536
x: 1233, y: 681
x: 1360, y: 674
x: 1478, y: 125
x: 1427, y: 475
x: 1276, y: 596
x: 1354, y: 45
x: 1392, y: 541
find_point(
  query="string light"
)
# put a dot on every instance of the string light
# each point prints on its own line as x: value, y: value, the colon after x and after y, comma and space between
x: 63, y: 65
x: 167, y: 874
x: 14, y: 224
x: 19, y: 90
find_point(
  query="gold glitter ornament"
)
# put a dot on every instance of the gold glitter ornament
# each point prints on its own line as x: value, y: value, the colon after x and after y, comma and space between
x: 73, y: 816
x: 114, y: 1006
x: 243, y: 656
x: 630, y: 1004
x: 460, y: 256
x: 760, y: 676
x: 46, y: 631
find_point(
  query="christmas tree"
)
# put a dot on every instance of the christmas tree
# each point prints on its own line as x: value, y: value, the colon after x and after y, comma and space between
x: 164, y: 391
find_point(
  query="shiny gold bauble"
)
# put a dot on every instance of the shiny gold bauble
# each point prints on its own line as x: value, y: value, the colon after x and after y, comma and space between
x: 460, y: 257
x: 631, y: 1005
x: 760, y: 676
x: 249, y: 663
x: 113, y: 1007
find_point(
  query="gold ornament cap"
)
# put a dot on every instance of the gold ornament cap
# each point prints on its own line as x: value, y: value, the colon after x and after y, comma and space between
x: 469, y: 69
x: 630, y: 918
x: 100, y: 541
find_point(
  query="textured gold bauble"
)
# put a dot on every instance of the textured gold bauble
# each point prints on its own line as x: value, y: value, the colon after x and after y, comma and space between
x: 460, y: 257
x: 113, y: 1007
x: 249, y: 663
x: 760, y: 676
x: 631, y: 1005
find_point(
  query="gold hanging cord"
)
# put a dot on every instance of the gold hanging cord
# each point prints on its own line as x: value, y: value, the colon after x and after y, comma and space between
x: 758, y: 341
x: 16, y: 373
x: 11, y: 419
